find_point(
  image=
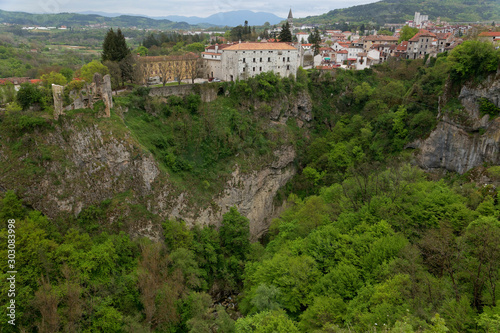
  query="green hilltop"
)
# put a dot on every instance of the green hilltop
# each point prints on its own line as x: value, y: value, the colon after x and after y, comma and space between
x: 74, y: 19
x: 398, y: 11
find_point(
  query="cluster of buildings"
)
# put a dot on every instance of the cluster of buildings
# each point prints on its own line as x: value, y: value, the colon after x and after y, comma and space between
x: 354, y: 51
x: 339, y: 49
x: 62, y: 27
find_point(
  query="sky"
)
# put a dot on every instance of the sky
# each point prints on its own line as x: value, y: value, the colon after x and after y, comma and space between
x: 202, y: 8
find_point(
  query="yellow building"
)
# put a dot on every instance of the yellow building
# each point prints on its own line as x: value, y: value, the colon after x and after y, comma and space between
x: 162, y: 69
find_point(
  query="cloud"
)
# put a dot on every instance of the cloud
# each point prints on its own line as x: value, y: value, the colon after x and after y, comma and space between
x: 203, y: 8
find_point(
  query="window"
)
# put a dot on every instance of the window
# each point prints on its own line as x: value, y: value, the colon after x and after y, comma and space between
x: 243, y: 69
x: 283, y: 59
x: 253, y: 59
x: 260, y: 59
x: 244, y: 60
x: 253, y: 69
x: 260, y: 69
x: 288, y: 59
x: 268, y: 59
x: 287, y: 67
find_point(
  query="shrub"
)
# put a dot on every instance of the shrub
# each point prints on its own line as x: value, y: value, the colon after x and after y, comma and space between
x: 28, y: 95
x: 487, y: 107
x: 473, y: 59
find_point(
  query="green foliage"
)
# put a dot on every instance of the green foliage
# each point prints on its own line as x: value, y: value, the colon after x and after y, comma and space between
x: 177, y: 234
x: 473, y: 60
x: 407, y: 33
x: 438, y: 325
x: 324, y: 310
x: 266, y: 298
x: 487, y: 107
x: 67, y: 73
x: 87, y: 71
x: 53, y: 78
x: 266, y: 322
x: 315, y: 40
x: 13, y: 107
x: 28, y: 95
x: 285, y: 33
x: 16, y: 124
x: 11, y: 207
x: 235, y: 234
x: 489, y: 320
x: 114, y: 47
x: 195, y: 47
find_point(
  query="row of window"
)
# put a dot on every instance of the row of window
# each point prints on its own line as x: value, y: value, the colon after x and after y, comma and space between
x: 260, y: 68
x: 268, y: 59
x: 267, y: 51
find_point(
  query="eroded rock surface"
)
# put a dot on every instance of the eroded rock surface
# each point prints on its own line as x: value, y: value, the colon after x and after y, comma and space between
x: 462, y: 146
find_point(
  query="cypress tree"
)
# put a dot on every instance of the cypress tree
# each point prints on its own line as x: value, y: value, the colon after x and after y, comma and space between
x: 285, y: 34
x: 114, y: 47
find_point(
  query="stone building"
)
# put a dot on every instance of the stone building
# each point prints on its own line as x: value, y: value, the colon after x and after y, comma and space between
x: 244, y: 60
x: 490, y: 36
x: 212, y: 64
x: 368, y: 41
x: 421, y: 44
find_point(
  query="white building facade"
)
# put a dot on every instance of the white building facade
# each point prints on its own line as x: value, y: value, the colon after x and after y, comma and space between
x: 244, y: 60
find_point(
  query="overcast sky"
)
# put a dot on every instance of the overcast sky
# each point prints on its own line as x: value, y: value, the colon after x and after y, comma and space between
x: 203, y: 8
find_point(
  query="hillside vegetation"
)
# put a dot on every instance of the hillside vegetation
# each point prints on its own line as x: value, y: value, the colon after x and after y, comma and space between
x: 368, y: 242
x: 399, y: 11
x: 78, y: 20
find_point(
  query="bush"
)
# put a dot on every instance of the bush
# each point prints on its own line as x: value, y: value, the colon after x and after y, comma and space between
x: 473, y: 59
x: 28, y: 95
x: 487, y: 107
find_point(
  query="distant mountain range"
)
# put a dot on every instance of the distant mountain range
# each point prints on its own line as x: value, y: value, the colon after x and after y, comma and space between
x: 232, y: 19
x: 398, y: 11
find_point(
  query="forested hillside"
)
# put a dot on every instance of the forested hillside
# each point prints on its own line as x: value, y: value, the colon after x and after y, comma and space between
x: 399, y: 11
x: 366, y: 242
x: 78, y: 20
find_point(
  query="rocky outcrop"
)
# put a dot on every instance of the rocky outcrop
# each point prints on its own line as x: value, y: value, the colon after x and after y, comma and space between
x: 299, y: 108
x: 455, y: 149
x: 461, y: 146
x: 94, y: 162
x: 253, y: 194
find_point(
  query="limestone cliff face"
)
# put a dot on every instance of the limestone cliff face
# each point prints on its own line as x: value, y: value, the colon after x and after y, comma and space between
x: 296, y: 107
x: 252, y: 194
x: 92, y: 161
x: 461, y: 146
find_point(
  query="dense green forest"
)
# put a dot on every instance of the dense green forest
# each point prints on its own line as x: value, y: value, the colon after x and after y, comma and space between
x: 399, y: 11
x: 368, y: 241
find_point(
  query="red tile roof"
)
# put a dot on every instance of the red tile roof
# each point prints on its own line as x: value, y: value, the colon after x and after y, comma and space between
x: 260, y: 46
x: 489, y: 34
x: 381, y: 38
